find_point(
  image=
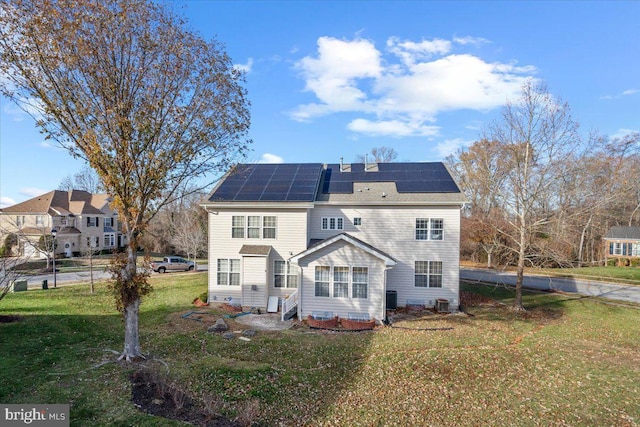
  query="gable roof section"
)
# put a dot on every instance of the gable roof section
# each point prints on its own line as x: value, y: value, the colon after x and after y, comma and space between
x: 388, y: 260
x: 623, y: 233
x: 58, y: 202
x: 263, y: 182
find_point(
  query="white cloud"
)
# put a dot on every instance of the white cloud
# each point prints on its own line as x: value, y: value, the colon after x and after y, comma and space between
x: 32, y: 191
x: 270, y: 158
x: 622, y: 132
x: 394, y: 128
x: 450, y: 146
x: 245, y: 67
x: 621, y: 94
x: 406, y: 87
x: 6, y: 201
x: 475, y: 41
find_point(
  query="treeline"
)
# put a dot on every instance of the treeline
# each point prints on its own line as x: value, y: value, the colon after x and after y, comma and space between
x: 541, y: 196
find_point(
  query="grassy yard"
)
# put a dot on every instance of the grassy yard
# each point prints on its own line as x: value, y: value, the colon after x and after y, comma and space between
x: 629, y: 275
x: 567, y: 361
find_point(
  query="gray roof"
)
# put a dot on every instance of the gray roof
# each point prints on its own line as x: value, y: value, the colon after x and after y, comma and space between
x: 260, y: 250
x: 623, y: 233
x: 373, y: 183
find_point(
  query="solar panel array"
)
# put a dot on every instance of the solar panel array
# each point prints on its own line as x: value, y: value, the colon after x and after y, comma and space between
x: 409, y: 178
x: 291, y: 182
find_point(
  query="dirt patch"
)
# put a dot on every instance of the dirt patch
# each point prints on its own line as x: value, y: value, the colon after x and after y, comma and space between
x: 469, y: 299
x: 156, y: 397
x: 9, y: 319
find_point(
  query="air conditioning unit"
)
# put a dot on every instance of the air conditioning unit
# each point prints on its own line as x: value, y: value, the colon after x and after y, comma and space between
x: 442, y: 305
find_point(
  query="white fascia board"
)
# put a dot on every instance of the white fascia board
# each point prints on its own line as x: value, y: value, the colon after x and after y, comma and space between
x: 455, y: 205
x: 388, y: 261
x: 255, y: 205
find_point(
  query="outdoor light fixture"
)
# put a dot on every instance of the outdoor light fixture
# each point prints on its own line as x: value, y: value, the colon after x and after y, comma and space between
x: 54, y: 232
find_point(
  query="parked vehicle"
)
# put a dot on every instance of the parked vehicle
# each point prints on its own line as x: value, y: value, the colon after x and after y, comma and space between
x: 172, y: 263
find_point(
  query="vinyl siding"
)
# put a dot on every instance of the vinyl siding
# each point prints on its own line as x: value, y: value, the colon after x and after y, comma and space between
x: 392, y: 230
x: 291, y: 238
x: 342, y: 254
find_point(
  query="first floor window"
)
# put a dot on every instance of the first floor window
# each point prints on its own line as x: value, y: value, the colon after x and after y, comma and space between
x: 109, y: 240
x: 322, y: 281
x: 428, y: 274
x: 228, y: 272
x: 341, y: 282
x: 284, y: 275
x: 360, y: 278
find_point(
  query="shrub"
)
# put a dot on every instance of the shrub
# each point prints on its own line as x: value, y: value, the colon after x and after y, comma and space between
x: 203, y: 296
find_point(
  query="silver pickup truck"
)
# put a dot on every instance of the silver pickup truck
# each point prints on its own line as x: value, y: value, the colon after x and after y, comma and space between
x: 172, y: 263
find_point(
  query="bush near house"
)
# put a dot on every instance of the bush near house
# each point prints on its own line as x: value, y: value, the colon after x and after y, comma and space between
x: 565, y: 361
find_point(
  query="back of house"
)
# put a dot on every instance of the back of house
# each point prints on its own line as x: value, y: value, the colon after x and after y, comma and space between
x: 335, y: 239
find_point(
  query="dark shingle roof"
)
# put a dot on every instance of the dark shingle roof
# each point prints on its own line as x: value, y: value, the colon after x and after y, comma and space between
x: 621, y: 232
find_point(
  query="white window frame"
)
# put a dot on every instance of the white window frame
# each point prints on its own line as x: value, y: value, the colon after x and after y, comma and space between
x: 287, y: 272
x: 229, y: 269
x: 20, y: 220
x: 431, y: 272
x: 431, y: 229
x: 237, y: 227
x: 254, y: 227
x: 108, y: 222
x: 92, y: 221
x: 617, y: 248
x: 40, y: 220
x: 269, y: 223
x: 332, y: 223
x: 357, y: 221
x: 332, y: 282
x: 109, y: 240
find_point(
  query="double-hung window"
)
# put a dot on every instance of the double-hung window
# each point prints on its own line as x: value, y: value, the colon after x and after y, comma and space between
x: 253, y: 227
x: 428, y: 274
x: 322, y: 281
x: 284, y: 275
x: 332, y: 223
x: 429, y: 229
x: 39, y: 220
x: 228, y: 272
x: 237, y: 227
x: 342, y: 282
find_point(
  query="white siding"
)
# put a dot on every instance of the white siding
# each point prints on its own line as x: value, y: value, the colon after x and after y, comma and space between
x: 254, y: 287
x: 342, y: 254
x: 291, y: 238
x: 392, y: 230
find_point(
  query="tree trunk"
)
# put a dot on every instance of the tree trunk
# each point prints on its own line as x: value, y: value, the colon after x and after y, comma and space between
x: 517, y: 303
x: 131, y: 335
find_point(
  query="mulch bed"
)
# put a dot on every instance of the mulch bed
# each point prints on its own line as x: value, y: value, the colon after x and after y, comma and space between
x: 9, y: 319
x: 468, y: 299
x: 145, y: 394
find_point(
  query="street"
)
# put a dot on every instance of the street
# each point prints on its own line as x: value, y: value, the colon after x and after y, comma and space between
x: 584, y: 287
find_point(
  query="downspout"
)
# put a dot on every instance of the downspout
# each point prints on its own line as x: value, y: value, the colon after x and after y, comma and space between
x: 299, y: 310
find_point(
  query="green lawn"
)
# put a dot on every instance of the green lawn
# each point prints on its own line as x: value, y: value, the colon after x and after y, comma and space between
x: 628, y: 275
x: 567, y: 361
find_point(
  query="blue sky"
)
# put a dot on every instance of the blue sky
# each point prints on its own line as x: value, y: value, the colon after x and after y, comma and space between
x: 332, y: 79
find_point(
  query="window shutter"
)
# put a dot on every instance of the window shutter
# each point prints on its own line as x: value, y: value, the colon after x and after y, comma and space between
x: 88, y: 221
x: 624, y: 249
x: 97, y: 221
x: 611, y: 248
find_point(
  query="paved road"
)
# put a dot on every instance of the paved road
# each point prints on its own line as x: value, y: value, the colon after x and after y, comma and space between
x: 583, y: 287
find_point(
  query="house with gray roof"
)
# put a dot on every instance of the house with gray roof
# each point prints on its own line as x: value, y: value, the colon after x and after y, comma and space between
x: 82, y: 220
x: 341, y: 238
x: 622, y: 242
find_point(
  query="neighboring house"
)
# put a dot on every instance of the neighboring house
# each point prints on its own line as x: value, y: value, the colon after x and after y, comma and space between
x: 622, y: 242
x: 81, y: 219
x: 335, y: 238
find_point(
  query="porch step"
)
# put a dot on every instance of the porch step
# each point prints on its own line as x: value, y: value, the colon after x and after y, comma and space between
x: 290, y: 313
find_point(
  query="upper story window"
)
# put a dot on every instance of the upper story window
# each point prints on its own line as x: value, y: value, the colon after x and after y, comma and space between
x: 332, y: 223
x: 429, y: 229
x: 20, y: 220
x: 108, y: 222
x: 93, y: 221
x: 357, y: 221
x: 39, y: 220
x: 253, y: 227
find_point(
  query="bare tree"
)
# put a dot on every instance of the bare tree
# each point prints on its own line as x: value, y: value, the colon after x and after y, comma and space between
x: 189, y: 227
x: 87, y: 180
x: 9, y: 273
x: 148, y: 104
x: 379, y: 155
x: 540, y: 143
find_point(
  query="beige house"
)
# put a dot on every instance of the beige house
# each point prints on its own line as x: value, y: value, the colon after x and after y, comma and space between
x: 82, y: 220
x: 349, y: 240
